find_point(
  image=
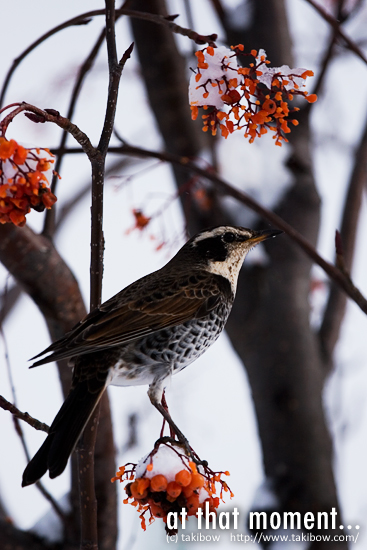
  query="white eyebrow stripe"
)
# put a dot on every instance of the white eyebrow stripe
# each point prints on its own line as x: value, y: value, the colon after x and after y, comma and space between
x: 218, y: 231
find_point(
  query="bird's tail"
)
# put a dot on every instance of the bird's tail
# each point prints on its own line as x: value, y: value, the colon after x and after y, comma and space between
x: 64, y: 433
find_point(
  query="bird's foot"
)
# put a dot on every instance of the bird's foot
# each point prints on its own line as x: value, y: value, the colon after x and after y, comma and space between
x: 175, y: 432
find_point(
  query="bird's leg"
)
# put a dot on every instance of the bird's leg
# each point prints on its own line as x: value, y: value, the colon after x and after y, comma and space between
x: 164, y: 404
x: 156, y: 396
x: 174, y: 429
x: 162, y: 429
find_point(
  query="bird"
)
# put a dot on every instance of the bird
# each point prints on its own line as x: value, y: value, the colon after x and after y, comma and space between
x: 150, y: 330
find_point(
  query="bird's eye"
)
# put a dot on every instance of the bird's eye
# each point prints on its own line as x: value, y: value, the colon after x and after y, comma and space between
x: 229, y: 237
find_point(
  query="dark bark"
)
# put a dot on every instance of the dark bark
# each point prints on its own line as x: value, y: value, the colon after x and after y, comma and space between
x: 269, y: 328
x: 164, y: 73
x: 38, y: 268
x: 13, y: 538
x: 267, y: 21
x: 335, y: 308
x: 269, y: 325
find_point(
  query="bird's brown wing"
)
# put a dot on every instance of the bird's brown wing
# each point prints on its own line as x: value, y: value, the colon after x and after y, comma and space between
x: 118, y: 322
x: 139, y: 318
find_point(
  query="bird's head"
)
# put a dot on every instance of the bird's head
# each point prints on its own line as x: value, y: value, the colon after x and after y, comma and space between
x: 222, y: 249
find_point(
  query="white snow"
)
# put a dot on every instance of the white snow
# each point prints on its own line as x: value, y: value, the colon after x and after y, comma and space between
x: 212, y: 406
x: 268, y: 73
x: 165, y: 461
x: 222, y: 64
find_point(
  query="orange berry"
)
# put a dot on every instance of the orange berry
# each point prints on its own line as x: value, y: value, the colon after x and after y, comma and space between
x: 306, y: 74
x: 311, y: 98
x: 48, y: 200
x: 43, y: 165
x: 200, y: 55
x: 143, y: 485
x: 20, y: 155
x: 158, y: 483
x: 192, y: 504
x: 17, y: 217
x: 230, y: 126
x: 197, y: 482
x: 7, y: 148
x: 187, y: 491
x: 136, y: 491
x: 224, y: 130
x: 183, y: 478
x: 269, y: 106
x: 173, y: 489
x: 156, y: 510
x: 233, y: 96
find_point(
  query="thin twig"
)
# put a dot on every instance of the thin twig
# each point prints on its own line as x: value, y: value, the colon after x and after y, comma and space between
x: 88, y: 503
x: 185, y: 163
x: 84, y: 18
x: 98, y: 164
x: 8, y: 299
x: 323, y: 67
x: 49, y: 225
x: 334, y: 310
x: 49, y: 115
x: 36, y: 424
x: 332, y: 271
x: 115, y: 70
x: 161, y: 20
x: 336, y: 26
x: 18, y: 415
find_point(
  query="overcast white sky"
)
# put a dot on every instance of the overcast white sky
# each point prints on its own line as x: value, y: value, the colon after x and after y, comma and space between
x: 215, y: 410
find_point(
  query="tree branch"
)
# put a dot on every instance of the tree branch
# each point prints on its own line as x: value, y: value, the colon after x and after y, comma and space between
x: 35, y: 264
x: 50, y: 115
x: 49, y: 225
x: 336, y: 26
x: 85, y: 18
x: 36, y: 424
x: 89, y: 532
x: 335, y: 307
x: 345, y: 283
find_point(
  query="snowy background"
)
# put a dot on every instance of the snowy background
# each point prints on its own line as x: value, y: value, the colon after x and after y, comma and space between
x: 215, y: 410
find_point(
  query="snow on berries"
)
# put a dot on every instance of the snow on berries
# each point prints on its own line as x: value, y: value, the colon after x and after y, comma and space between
x: 167, y: 480
x: 254, y: 98
x: 24, y: 181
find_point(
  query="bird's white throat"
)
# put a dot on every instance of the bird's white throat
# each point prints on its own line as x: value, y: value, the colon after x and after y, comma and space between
x: 230, y: 268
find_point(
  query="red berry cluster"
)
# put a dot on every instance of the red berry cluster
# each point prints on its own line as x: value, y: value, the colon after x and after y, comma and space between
x: 23, y: 183
x: 160, y: 494
x: 247, y: 102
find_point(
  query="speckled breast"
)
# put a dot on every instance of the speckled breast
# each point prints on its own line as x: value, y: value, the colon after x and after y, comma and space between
x: 171, y: 349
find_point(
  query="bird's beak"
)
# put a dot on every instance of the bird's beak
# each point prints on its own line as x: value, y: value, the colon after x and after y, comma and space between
x: 263, y: 235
